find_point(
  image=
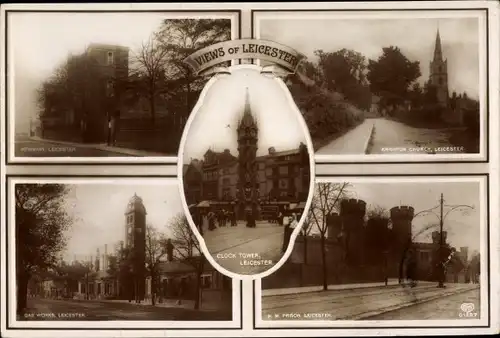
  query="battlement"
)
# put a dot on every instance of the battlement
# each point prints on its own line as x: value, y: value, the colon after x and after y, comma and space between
x: 353, y: 207
x: 436, y: 238
x: 402, y: 212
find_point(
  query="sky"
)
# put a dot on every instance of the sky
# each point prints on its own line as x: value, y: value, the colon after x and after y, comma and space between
x: 223, y: 105
x: 99, y: 211
x: 463, y: 228
x: 415, y: 37
x: 40, y: 42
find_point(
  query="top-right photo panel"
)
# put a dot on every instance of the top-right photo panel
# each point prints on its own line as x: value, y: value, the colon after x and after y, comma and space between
x: 388, y: 86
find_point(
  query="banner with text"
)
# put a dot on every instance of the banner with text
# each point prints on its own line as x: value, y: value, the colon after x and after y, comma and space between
x: 271, y: 51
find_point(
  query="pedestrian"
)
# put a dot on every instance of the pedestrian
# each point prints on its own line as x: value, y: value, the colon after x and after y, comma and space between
x: 116, y: 125
x: 233, y: 219
x: 286, y: 233
x: 83, y: 128
x: 280, y: 219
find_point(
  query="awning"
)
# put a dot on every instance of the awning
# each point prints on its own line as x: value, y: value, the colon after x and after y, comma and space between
x: 204, y: 204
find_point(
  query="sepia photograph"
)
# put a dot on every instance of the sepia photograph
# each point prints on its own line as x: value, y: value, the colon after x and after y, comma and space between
x: 400, y: 84
x: 382, y: 249
x: 247, y: 170
x: 91, y: 85
x: 136, y: 259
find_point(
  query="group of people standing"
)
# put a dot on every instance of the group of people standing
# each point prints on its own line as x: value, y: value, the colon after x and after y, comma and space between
x: 220, y: 218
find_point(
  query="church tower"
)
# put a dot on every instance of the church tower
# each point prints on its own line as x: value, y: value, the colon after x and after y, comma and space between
x: 247, y: 164
x: 439, y: 73
x: 135, y: 242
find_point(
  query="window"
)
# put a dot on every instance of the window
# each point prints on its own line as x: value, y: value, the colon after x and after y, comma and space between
x: 206, y: 281
x: 110, y: 90
x: 283, y: 170
x: 110, y: 58
x: 283, y: 184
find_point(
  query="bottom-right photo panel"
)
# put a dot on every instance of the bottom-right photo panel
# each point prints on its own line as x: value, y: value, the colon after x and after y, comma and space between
x: 385, y: 251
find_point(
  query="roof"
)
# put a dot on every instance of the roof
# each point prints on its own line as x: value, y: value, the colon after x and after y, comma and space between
x: 107, y: 46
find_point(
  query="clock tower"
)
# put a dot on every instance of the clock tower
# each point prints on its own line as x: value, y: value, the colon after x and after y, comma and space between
x: 135, y: 242
x: 248, y: 199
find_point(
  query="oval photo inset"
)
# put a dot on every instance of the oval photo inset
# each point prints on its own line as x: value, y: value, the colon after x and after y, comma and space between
x: 246, y: 162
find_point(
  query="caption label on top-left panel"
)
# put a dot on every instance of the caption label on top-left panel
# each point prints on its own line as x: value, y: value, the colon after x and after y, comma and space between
x: 104, y: 86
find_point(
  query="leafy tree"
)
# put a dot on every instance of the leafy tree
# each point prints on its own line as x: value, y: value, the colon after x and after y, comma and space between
x: 41, y: 222
x: 344, y: 71
x: 187, y: 249
x: 391, y: 75
x: 326, y: 199
x: 180, y: 38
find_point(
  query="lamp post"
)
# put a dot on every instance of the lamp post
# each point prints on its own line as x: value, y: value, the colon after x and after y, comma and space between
x: 442, y: 217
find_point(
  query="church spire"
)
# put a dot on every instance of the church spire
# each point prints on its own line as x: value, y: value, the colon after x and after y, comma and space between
x: 438, y: 54
x: 247, y: 110
x: 247, y: 119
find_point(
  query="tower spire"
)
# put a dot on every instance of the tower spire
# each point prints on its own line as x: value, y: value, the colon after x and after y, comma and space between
x: 438, y: 54
x: 247, y: 110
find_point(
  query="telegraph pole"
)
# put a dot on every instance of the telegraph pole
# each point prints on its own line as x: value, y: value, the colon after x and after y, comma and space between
x: 441, y: 244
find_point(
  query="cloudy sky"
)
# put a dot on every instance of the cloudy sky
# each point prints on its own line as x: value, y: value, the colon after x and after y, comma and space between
x: 99, y: 210
x: 223, y: 105
x: 415, y: 37
x: 463, y: 228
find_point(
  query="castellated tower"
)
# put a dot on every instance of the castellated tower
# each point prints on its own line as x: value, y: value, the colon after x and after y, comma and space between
x: 352, y: 212
x: 401, y: 218
x: 436, y: 237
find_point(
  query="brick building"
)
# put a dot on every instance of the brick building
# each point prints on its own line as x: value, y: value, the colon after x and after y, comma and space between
x: 366, y: 250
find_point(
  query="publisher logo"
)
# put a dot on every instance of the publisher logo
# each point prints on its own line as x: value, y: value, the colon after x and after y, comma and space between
x: 467, y: 310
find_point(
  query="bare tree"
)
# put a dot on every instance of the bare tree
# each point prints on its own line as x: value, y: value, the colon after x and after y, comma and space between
x: 148, y: 71
x: 326, y: 199
x: 156, y: 249
x: 187, y: 249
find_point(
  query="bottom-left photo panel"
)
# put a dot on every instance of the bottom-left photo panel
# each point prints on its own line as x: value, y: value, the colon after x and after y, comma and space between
x: 109, y: 252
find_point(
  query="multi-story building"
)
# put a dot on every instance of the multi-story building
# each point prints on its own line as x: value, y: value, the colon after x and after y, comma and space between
x: 278, y: 176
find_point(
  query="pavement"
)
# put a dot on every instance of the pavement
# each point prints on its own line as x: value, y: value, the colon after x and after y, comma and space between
x: 26, y: 146
x: 239, y: 249
x: 360, y: 303
x: 383, y: 136
x: 78, y: 310
x: 355, y: 141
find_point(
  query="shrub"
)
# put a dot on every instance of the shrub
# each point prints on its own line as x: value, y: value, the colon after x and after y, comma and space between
x: 326, y: 114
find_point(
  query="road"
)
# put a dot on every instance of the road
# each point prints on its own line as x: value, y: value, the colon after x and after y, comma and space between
x: 239, y: 248
x: 444, y: 308
x: 389, y: 137
x: 355, y: 304
x: 51, y: 309
x: 27, y: 147
x: 396, y: 137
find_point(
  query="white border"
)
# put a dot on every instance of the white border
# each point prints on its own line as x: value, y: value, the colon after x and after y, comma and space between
x: 13, y: 159
x: 180, y: 176
x: 159, y: 324
x: 483, y: 106
x: 484, y: 301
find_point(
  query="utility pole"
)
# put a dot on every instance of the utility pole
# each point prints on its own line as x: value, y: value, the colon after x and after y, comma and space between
x: 441, y: 244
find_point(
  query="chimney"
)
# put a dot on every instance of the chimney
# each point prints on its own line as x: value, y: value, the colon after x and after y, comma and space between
x: 170, y: 250
x: 105, y: 261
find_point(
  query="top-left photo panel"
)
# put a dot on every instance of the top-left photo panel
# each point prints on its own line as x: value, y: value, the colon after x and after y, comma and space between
x: 104, y: 86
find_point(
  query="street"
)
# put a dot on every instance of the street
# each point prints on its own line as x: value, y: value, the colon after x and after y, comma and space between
x: 444, y: 308
x: 367, y: 303
x: 238, y: 248
x: 389, y: 137
x: 27, y: 147
x: 77, y: 310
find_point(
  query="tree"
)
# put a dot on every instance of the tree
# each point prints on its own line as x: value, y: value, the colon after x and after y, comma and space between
x: 180, y: 38
x: 326, y: 199
x: 391, y: 75
x: 344, y: 71
x: 156, y: 249
x: 41, y: 222
x: 188, y: 250
x: 147, y: 76
x: 74, y: 88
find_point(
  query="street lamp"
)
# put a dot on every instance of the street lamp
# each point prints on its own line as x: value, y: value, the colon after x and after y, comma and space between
x: 441, y: 217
